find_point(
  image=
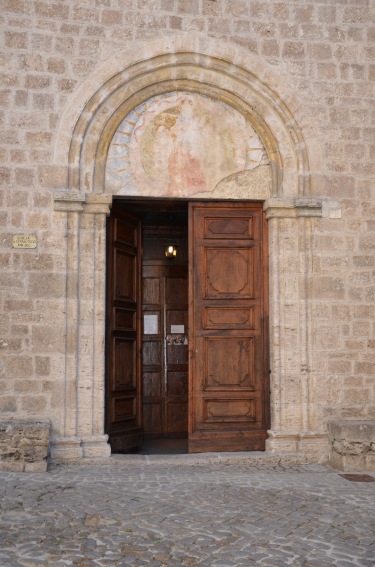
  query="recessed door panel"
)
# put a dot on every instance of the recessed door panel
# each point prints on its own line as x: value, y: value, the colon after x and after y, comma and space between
x: 151, y: 291
x: 228, y: 273
x: 125, y: 285
x: 177, y: 384
x: 229, y: 411
x: 228, y: 227
x: 124, y: 363
x: 229, y: 363
x: 229, y: 317
x: 152, y: 384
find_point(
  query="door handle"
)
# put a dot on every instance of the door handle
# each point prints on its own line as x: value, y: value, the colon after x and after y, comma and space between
x: 177, y: 340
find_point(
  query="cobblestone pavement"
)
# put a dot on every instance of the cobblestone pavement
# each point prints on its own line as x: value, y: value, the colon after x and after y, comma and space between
x: 160, y: 513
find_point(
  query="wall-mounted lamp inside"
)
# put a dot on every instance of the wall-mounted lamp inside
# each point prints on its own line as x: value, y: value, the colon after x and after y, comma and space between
x: 170, y: 251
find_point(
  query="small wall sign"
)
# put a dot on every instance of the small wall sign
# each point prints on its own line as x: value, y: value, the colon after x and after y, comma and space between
x: 24, y: 241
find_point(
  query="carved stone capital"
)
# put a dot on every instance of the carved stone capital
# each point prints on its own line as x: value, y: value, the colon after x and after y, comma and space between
x: 66, y: 200
x: 98, y: 204
x: 293, y: 207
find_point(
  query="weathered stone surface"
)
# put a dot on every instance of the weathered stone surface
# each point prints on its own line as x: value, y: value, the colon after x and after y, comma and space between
x: 303, y: 75
x: 352, y: 445
x: 24, y: 445
x: 179, y: 514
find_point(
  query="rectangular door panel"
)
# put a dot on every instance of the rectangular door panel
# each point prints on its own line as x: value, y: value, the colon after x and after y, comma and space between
x: 124, y: 409
x: 125, y: 285
x: 225, y: 317
x: 151, y: 384
x: 228, y: 363
x: 224, y: 227
x: 177, y: 384
x: 125, y: 319
x: 151, y: 291
x: 229, y: 410
x: 124, y: 363
x: 151, y: 353
x: 125, y: 231
x: 228, y: 273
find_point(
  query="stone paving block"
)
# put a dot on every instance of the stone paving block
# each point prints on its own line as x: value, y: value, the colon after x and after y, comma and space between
x: 185, y: 515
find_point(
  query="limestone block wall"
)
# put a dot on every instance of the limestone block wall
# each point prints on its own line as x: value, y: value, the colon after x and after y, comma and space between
x: 321, y: 52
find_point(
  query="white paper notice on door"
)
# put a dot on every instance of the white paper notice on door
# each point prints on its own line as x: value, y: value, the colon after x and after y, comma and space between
x: 177, y: 329
x: 150, y: 324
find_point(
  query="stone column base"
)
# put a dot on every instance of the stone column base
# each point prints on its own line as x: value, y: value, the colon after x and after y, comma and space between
x: 69, y: 449
x: 307, y: 442
x: 94, y: 447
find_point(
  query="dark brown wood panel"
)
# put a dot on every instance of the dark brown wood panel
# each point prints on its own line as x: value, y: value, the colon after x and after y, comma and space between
x: 123, y: 418
x: 165, y: 351
x: 228, y: 394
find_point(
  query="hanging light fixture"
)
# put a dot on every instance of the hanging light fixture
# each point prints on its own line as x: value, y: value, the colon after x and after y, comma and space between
x: 170, y: 250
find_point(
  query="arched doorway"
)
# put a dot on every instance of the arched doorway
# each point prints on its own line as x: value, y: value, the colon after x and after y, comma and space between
x: 239, y: 80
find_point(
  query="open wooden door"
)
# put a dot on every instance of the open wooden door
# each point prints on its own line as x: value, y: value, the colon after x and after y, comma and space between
x: 123, y: 403
x: 228, y: 386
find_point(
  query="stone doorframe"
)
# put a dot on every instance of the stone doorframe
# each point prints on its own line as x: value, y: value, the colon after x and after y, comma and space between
x: 244, y: 81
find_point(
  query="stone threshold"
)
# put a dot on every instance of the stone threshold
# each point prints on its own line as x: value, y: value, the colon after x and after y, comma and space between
x: 253, y: 458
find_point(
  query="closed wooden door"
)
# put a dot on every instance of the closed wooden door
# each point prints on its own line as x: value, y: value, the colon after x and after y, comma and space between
x: 165, y: 333
x: 228, y: 394
x: 165, y: 351
x: 123, y: 375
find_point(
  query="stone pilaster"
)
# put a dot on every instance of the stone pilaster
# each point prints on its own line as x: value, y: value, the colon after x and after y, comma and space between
x: 83, y: 435
x: 289, y: 226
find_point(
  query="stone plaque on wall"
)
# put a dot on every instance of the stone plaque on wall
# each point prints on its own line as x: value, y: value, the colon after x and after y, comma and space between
x: 24, y: 241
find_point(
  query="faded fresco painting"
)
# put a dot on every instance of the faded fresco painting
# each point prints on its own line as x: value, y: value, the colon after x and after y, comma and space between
x: 180, y: 144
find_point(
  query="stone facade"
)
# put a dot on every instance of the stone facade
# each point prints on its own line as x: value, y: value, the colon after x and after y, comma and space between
x: 352, y: 445
x: 24, y: 445
x: 302, y: 73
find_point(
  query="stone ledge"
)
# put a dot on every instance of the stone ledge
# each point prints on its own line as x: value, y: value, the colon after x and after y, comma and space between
x: 24, y: 445
x: 352, y: 445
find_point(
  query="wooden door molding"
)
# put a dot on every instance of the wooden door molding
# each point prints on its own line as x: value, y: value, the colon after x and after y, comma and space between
x: 229, y: 366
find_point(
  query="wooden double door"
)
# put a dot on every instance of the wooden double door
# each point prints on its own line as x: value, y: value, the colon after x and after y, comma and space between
x: 187, y: 338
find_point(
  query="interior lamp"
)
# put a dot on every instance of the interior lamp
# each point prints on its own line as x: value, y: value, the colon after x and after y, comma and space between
x: 170, y: 251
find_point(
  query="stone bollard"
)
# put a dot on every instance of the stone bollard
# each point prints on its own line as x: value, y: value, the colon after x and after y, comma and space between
x: 352, y: 445
x: 24, y: 445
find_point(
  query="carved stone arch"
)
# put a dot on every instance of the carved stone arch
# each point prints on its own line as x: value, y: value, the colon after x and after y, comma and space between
x: 259, y: 92
x: 221, y: 70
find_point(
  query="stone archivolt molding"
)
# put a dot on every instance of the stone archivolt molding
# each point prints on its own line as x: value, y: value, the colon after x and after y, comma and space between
x: 188, y: 63
x: 86, y: 128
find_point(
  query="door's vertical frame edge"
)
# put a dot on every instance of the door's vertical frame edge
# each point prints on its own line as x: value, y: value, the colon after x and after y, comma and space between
x: 108, y: 319
x: 139, y: 330
x: 191, y: 320
x: 266, y: 322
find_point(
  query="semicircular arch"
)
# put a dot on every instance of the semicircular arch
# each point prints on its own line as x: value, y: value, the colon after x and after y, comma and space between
x: 220, y: 71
